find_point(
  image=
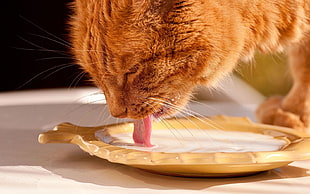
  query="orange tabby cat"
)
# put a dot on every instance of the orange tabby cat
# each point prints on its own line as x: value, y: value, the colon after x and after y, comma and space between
x: 148, y: 55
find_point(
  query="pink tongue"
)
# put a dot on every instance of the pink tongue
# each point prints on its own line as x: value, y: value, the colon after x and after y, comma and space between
x: 142, y: 131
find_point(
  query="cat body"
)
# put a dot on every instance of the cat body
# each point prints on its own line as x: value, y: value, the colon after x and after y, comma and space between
x: 148, y: 55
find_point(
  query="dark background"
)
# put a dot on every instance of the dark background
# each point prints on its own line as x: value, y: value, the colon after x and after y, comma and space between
x: 33, y: 56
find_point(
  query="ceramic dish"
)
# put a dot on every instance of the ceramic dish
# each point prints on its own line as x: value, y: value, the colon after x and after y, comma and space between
x: 104, y: 142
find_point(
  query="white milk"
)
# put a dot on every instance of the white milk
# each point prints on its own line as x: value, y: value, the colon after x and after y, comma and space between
x: 198, y: 141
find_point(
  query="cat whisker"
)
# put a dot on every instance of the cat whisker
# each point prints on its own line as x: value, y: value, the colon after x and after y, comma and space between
x: 201, y: 129
x: 40, y: 48
x: 205, y: 105
x: 61, y: 67
x: 205, y: 119
x: 185, y: 127
x: 102, y: 113
x: 52, y: 40
x: 184, y: 115
x: 51, y: 58
x: 189, y: 113
x: 89, y: 50
x: 201, y: 118
x: 166, y: 124
x: 89, y: 99
x: 95, y: 101
x: 172, y: 106
x: 77, y: 79
x: 45, y: 31
x: 102, y: 117
x: 43, y: 50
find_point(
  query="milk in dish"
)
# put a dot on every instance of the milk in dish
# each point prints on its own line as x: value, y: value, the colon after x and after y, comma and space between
x: 198, y: 141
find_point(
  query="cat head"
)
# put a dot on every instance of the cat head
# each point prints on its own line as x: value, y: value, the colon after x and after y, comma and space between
x: 146, y: 56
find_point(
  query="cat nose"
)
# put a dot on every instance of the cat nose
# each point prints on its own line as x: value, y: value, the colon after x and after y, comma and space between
x: 119, y: 112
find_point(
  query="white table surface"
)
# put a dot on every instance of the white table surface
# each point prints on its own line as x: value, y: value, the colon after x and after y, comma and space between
x: 29, y: 167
